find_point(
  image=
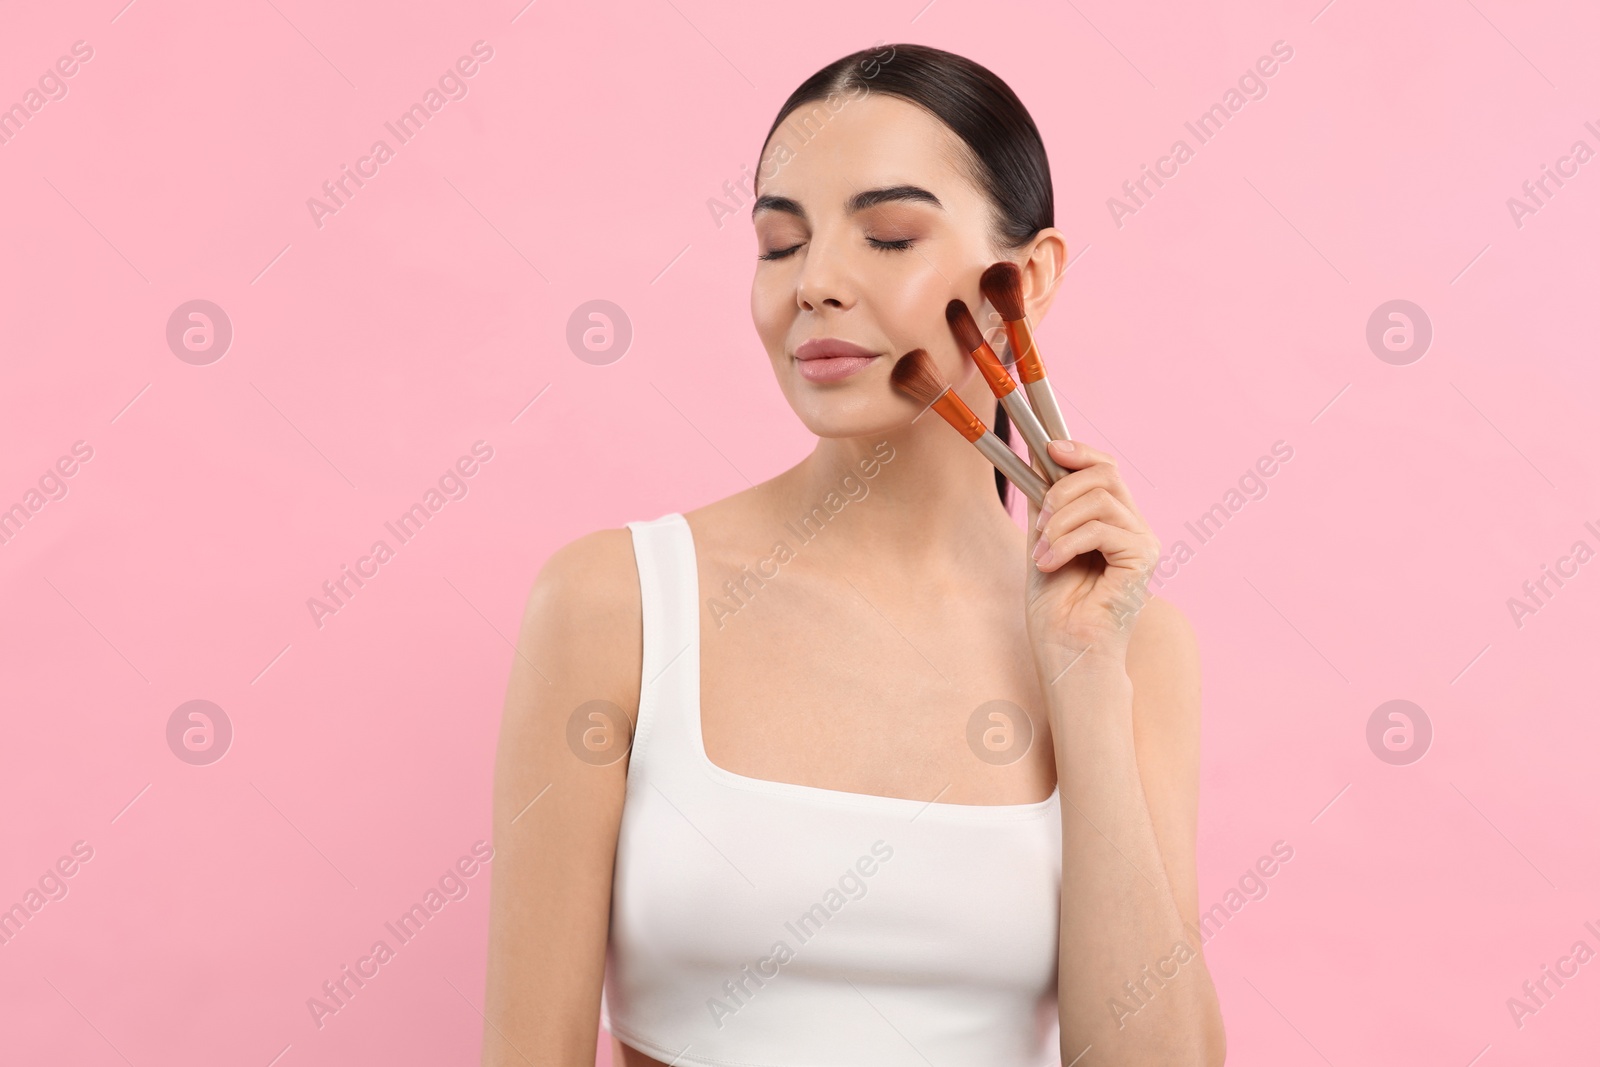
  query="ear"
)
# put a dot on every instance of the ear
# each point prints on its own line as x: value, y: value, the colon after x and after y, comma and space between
x: 1042, y: 271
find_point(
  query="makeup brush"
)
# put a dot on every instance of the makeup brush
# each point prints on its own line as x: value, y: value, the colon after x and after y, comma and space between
x: 1004, y: 389
x: 916, y: 375
x: 1002, y: 286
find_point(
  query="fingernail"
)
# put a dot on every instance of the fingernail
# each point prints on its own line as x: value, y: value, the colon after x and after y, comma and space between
x: 1062, y: 445
x: 1040, y: 549
x: 1044, y: 517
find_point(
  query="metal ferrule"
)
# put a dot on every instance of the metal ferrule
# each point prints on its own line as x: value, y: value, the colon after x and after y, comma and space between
x: 957, y: 414
x: 1024, y: 353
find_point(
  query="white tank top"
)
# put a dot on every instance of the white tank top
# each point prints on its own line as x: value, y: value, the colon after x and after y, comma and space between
x: 766, y: 924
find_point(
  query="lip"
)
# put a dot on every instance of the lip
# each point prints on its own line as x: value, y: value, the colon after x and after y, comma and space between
x: 829, y: 359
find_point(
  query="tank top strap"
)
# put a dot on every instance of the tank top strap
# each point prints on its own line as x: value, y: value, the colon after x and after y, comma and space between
x: 669, y: 678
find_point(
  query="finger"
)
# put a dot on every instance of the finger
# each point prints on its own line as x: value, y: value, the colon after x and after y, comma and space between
x: 1077, y: 483
x: 1121, y: 547
x: 1097, y: 503
x: 1076, y: 455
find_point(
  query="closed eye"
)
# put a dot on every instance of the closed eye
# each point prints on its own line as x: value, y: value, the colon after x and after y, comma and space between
x: 882, y: 246
x: 779, y: 253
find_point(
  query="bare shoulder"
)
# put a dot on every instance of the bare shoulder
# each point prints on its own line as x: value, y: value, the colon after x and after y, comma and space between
x: 592, y: 578
x: 582, y: 635
x: 719, y: 524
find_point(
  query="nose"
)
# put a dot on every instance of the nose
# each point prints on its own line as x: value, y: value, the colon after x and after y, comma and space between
x: 826, y: 278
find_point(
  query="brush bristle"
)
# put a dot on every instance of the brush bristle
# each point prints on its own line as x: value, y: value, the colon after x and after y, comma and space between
x: 1002, y: 285
x: 916, y: 375
x: 961, y: 324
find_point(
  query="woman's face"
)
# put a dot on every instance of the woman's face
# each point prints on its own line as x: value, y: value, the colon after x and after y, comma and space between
x: 866, y: 231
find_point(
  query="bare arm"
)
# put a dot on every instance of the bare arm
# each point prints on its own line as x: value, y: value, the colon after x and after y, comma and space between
x: 1121, y: 675
x: 1134, y: 981
x: 558, y: 795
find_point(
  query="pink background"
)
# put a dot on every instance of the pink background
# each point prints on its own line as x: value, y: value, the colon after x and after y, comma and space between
x: 1228, y: 313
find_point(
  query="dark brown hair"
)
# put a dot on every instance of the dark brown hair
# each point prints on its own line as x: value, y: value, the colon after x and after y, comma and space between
x: 1007, y: 156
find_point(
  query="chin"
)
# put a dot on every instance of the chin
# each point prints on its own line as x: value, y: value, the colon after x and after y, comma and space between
x: 852, y: 414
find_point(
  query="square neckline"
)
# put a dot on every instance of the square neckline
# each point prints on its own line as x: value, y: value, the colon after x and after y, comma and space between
x: 839, y: 797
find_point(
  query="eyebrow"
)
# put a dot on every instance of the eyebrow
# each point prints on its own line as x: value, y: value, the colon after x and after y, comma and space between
x: 859, y: 202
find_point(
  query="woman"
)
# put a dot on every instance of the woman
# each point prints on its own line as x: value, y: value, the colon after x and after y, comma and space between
x: 825, y: 841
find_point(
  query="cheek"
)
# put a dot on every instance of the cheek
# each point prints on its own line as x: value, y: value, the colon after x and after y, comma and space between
x: 911, y: 310
x: 771, y: 313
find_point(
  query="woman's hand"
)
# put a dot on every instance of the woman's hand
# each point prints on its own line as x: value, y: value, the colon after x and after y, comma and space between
x: 1093, y: 554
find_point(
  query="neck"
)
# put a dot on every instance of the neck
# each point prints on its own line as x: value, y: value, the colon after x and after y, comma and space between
x: 916, y: 500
